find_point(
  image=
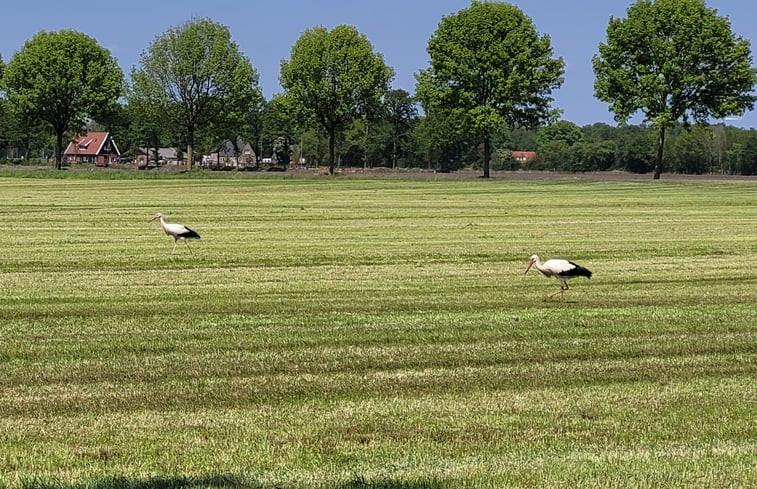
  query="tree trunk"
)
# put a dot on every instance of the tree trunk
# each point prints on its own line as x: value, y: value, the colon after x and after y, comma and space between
x: 190, y: 156
x: 660, y: 148
x: 394, y: 152
x: 332, y: 145
x: 190, y: 149
x: 487, y: 155
x: 365, y: 147
x: 59, y: 149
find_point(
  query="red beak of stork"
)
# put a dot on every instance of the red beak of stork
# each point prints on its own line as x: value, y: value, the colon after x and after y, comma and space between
x: 153, y: 218
x: 530, y: 264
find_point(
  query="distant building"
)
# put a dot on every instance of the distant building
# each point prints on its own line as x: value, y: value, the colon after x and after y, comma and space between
x: 523, y: 156
x: 93, y: 147
x: 166, y: 156
x: 228, y: 154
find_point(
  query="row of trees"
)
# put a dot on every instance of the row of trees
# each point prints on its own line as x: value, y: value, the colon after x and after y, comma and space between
x: 488, y: 88
x: 699, y: 149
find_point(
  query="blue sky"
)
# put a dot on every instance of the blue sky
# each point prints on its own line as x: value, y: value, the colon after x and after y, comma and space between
x: 399, y: 29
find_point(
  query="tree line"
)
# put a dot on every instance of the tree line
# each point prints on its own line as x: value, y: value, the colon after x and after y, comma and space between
x: 486, y: 92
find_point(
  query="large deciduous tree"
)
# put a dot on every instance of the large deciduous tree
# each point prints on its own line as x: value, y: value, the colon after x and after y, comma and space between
x: 62, y: 78
x: 334, y: 77
x: 400, y: 112
x: 673, y: 60
x: 490, y: 68
x: 195, y: 77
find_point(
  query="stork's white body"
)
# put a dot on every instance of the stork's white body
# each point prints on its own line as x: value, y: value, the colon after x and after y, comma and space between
x: 560, y: 269
x: 177, y: 231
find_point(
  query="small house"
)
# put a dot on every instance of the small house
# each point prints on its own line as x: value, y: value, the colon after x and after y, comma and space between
x: 239, y: 155
x: 523, y: 156
x: 166, y: 156
x: 93, y: 147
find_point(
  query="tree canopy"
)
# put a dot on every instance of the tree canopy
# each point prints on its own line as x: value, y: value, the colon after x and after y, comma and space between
x: 490, y: 68
x: 673, y: 60
x: 62, y: 78
x: 400, y: 112
x: 334, y: 77
x: 195, y: 77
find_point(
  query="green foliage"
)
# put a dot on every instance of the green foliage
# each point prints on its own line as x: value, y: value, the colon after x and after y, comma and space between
x: 401, y: 112
x: 334, y: 77
x: 561, y: 146
x: 315, y: 146
x: 61, y: 78
x: 490, y: 68
x: 599, y: 156
x: 564, y: 131
x: 194, y: 77
x: 637, y: 148
x: 521, y: 139
x: 553, y: 155
x: 278, y: 122
x: 692, y: 150
x: 673, y: 60
x: 742, y: 157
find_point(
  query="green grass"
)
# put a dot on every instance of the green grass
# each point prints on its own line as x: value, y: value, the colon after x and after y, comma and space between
x: 355, y: 333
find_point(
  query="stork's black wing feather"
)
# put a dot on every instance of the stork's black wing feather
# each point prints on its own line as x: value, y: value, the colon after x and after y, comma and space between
x: 577, y: 271
x: 189, y: 234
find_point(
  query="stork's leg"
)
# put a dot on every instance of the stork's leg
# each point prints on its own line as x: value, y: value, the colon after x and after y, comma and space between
x: 174, y: 247
x: 190, y: 249
x: 563, y: 288
x: 561, y: 292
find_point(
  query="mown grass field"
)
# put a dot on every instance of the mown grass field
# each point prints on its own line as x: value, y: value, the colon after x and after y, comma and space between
x: 352, y: 333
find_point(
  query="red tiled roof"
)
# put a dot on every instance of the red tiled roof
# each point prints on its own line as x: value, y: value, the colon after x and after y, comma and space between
x: 88, y: 144
x: 524, y: 155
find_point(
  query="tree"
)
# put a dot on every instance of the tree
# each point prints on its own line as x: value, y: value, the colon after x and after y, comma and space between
x: 692, y: 150
x: 491, y: 68
x: 637, y: 148
x: 313, y: 145
x: 673, y: 60
x: 598, y: 132
x: 586, y: 156
x: 62, y: 78
x: 4, y: 117
x: 277, y: 124
x: 749, y: 164
x: 401, y: 112
x: 195, y: 77
x: 334, y: 78
x: 521, y: 139
x: 145, y: 129
x: 565, y: 131
x: 553, y: 155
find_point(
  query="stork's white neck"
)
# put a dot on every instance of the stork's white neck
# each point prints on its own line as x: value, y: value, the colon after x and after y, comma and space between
x: 538, y: 265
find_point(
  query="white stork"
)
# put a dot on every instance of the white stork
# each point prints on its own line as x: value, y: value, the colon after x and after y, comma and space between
x: 562, y: 270
x: 178, y: 231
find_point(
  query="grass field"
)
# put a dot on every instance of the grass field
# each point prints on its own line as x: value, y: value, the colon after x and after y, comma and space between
x: 354, y: 333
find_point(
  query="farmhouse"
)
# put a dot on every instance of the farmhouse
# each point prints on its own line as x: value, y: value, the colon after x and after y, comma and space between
x: 239, y: 155
x: 523, y: 156
x: 166, y: 156
x: 93, y: 147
